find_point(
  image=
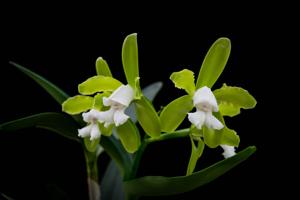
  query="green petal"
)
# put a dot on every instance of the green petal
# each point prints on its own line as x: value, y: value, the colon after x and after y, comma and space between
x: 129, y: 136
x: 232, y: 99
x: 98, y: 84
x: 214, y: 138
x: 147, y: 117
x: 77, y: 104
x: 102, y: 67
x: 184, y: 80
x: 105, y: 131
x: 214, y: 63
x: 130, y: 59
x: 175, y: 112
x: 160, y: 185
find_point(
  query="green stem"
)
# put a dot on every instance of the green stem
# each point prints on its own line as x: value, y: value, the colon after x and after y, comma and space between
x: 92, y: 175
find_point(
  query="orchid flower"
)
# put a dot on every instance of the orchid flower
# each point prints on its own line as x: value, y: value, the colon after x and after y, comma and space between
x: 205, y: 103
x: 91, y: 130
x: 118, y: 101
x: 229, y: 151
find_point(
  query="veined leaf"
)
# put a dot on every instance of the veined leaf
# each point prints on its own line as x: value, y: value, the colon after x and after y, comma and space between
x: 98, y: 84
x: 159, y: 185
x: 59, y: 95
x: 77, y: 104
x: 175, y: 112
x: 214, y: 63
x: 56, y: 122
x: 184, y: 80
x: 232, y: 99
x: 102, y: 67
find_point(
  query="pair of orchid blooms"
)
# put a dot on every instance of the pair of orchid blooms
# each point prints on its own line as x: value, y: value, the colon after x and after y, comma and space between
x: 204, y: 101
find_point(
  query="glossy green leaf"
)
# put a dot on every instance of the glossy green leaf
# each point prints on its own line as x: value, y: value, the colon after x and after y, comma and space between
x: 91, y: 145
x: 56, y: 122
x: 214, y: 63
x: 130, y: 59
x: 196, y: 153
x: 159, y: 185
x: 102, y: 67
x: 147, y: 117
x: 184, y: 80
x: 112, y: 184
x: 175, y: 112
x: 129, y: 136
x: 59, y: 95
x: 232, y: 99
x: 150, y: 93
x: 77, y: 104
x: 98, y: 84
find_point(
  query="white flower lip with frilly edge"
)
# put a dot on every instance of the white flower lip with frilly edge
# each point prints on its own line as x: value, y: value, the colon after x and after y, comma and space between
x: 229, y: 151
x: 205, y: 103
x: 118, y: 101
x: 92, y: 129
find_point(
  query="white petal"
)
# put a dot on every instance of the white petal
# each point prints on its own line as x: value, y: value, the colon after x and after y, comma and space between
x: 106, y: 116
x: 85, y: 131
x: 212, y: 122
x: 123, y: 95
x: 89, y: 116
x: 120, y: 117
x: 95, y: 132
x: 204, y: 95
x: 197, y: 118
x: 229, y: 151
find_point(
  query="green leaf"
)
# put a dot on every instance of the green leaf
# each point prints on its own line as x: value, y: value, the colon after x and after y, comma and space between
x: 111, y: 184
x: 150, y: 93
x: 59, y: 95
x: 159, y: 185
x: 129, y: 136
x: 102, y: 67
x: 147, y: 117
x: 175, y: 112
x: 184, y: 80
x: 232, y: 99
x: 195, y: 155
x: 130, y: 59
x: 98, y: 84
x: 214, y: 63
x: 56, y: 122
x: 91, y: 146
x: 77, y: 104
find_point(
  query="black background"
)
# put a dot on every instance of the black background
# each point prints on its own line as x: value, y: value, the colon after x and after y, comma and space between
x: 64, y: 50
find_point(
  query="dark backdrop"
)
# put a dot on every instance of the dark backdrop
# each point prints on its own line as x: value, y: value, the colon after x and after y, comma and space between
x: 34, y: 162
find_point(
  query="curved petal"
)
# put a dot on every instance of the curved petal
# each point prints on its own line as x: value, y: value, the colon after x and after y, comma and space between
x: 197, y: 118
x: 106, y: 101
x: 229, y: 151
x: 212, y: 122
x: 85, y: 131
x: 89, y: 116
x: 120, y: 117
x: 106, y: 117
x: 95, y: 132
x: 123, y: 95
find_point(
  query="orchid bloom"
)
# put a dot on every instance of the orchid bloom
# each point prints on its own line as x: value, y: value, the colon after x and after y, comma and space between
x: 205, y: 103
x: 118, y: 101
x: 92, y: 129
x: 229, y: 151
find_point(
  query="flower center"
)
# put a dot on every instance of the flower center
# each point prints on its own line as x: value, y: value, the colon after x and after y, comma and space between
x: 205, y: 106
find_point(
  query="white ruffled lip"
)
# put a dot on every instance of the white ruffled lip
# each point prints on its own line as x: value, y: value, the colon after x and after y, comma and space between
x: 229, y: 151
x: 91, y: 130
